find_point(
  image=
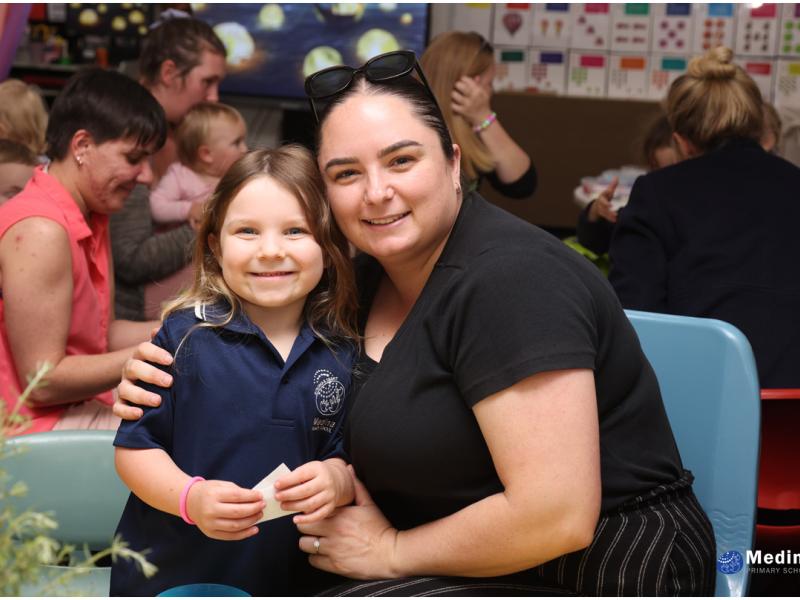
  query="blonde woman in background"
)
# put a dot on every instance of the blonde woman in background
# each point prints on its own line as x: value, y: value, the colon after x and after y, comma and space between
x: 460, y: 68
x: 715, y: 235
x: 23, y: 115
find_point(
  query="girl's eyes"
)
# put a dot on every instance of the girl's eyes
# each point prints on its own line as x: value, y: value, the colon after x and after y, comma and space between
x: 246, y: 231
x: 296, y: 231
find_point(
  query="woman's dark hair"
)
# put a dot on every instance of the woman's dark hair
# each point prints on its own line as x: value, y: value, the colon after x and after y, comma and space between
x: 181, y: 40
x: 110, y: 106
x: 408, y: 88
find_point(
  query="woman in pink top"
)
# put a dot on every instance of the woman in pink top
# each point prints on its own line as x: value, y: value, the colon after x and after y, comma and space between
x: 56, y: 280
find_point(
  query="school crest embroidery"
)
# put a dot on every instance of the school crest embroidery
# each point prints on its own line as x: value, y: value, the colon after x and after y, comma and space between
x: 328, y: 392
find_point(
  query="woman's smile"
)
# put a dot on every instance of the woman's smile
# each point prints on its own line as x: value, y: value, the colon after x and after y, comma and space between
x: 389, y: 220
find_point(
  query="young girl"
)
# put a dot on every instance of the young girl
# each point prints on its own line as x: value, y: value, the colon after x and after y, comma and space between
x: 261, y: 370
x: 210, y: 139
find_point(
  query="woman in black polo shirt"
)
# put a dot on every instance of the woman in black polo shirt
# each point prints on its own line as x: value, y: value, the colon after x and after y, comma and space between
x: 508, y: 428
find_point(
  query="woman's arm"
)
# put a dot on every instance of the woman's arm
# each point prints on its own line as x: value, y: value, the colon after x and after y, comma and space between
x: 472, y: 101
x: 36, y: 268
x: 544, y: 440
x: 221, y: 509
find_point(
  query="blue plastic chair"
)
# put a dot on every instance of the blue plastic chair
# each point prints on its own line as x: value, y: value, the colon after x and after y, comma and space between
x: 72, y: 475
x: 709, y: 384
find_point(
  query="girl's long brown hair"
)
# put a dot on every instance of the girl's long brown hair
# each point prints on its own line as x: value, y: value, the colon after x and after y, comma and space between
x: 330, y: 308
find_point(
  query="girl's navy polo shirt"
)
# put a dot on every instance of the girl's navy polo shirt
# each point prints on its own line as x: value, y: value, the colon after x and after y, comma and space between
x: 235, y: 411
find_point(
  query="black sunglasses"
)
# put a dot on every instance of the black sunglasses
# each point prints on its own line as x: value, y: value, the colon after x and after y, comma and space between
x: 379, y: 69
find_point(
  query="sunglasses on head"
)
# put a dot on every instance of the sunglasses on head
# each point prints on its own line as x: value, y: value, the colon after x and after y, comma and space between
x: 379, y: 69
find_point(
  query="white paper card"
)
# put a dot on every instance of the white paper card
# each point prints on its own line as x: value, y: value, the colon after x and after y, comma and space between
x: 266, y: 487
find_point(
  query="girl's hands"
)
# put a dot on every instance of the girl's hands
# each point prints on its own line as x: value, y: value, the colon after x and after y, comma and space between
x: 315, y: 489
x: 223, y: 510
x: 470, y: 99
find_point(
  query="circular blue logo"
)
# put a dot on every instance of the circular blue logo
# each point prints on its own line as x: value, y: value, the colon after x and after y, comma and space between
x: 729, y: 563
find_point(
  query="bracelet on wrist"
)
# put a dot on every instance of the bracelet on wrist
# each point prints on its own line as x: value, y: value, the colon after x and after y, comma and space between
x: 184, y: 497
x: 485, y: 123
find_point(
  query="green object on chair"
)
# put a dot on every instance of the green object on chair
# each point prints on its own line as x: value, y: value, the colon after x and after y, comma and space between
x: 71, y: 474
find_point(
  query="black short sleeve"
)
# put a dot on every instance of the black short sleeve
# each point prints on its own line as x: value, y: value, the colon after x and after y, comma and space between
x: 511, y: 319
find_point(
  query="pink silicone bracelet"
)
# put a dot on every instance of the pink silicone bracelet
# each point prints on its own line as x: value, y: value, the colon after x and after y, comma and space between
x: 184, y: 496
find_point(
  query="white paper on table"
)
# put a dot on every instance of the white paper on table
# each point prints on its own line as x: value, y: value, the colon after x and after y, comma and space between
x: 266, y: 487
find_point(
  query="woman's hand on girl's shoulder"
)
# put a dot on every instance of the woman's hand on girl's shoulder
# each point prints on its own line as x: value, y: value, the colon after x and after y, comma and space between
x: 136, y: 369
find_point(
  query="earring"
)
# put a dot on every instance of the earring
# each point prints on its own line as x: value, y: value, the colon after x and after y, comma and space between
x: 79, y: 160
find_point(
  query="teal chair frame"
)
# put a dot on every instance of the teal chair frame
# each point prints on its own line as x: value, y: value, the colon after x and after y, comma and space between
x: 709, y: 384
x: 72, y: 475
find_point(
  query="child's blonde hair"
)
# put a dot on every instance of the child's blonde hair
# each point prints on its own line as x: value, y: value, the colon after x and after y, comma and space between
x: 14, y: 152
x: 23, y: 115
x: 330, y: 308
x: 448, y: 58
x: 194, y: 129
x: 715, y: 100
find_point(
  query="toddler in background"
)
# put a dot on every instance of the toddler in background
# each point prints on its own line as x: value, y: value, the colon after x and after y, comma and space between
x: 210, y: 139
x: 16, y: 168
x: 23, y: 116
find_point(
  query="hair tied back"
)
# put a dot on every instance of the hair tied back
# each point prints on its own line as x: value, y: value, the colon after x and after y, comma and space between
x: 714, y: 64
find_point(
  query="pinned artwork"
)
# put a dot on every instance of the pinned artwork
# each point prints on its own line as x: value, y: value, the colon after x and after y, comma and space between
x: 762, y: 72
x: 547, y: 71
x: 474, y: 16
x: 631, y: 27
x: 713, y: 26
x: 789, y: 36
x: 664, y: 69
x: 552, y: 25
x: 511, y: 73
x: 627, y: 76
x: 591, y: 24
x: 757, y: 30
x: 787, y: 83
x: 672, y: 28
x: 512, y: 24
x: 587, y: 74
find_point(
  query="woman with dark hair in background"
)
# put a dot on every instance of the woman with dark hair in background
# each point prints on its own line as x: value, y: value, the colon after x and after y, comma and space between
x: 55, y: 256
x: 460, y: 68
x: 182, y: 63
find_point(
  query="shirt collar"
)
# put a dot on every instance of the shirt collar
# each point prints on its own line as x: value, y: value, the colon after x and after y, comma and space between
x: 240, y: 323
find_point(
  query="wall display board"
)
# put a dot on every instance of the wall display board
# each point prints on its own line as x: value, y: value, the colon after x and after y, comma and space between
x: 512, y: 68
x: 787, y: 83
x: 636, y: 50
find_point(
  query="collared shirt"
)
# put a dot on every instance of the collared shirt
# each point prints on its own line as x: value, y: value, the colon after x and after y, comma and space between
x: 235, y: 412
x: 44, y: 196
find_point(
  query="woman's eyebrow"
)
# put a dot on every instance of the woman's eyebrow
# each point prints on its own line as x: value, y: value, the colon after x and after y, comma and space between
x: 348, y: 160
x: 397, y: 146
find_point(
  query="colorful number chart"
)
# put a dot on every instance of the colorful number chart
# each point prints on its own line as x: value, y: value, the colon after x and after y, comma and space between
x: 552, y: 25
x: 672, y: 28
x: 757, y: 30
x: 591, y: 24
x: 512, y: 24
x: 512, y: 69
x: 789, y: 36
x: 473, y: 17
x: 762, y: 72
x: 787, y: 83
x: 627, y: 76
x: 631, y: 27
x: 587, y: 74
x: 547, y: 71
x: 713, y: 26
x: 664, y: 69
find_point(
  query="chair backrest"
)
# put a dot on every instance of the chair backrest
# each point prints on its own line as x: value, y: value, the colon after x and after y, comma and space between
x: 72, y: 474
x: 709, y: 384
